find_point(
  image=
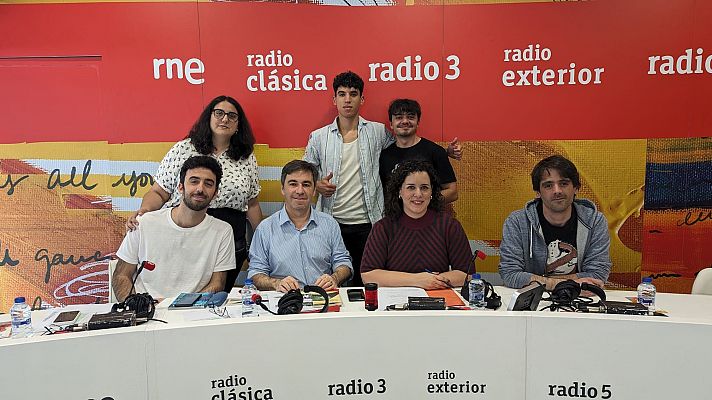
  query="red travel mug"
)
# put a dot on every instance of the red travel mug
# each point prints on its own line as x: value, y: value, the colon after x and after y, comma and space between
x: 371, y: 296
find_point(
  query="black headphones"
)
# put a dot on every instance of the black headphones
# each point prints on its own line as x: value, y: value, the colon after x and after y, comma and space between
x: 492, y: 300
x: 565, y: 292
x: 292, y: 302
x: 567, y: 295
x: 141, y: 303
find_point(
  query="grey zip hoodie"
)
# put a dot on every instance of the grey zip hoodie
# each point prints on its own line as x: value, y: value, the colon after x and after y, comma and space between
x: 523, y: 250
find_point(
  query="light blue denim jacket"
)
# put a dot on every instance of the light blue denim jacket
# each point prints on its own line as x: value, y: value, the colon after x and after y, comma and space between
x: 324, y: 151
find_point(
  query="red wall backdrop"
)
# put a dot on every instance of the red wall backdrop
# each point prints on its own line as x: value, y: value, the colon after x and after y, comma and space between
x: 113, y: 95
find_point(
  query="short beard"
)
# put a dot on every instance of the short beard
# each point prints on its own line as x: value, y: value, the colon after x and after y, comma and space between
x: 194, y: 206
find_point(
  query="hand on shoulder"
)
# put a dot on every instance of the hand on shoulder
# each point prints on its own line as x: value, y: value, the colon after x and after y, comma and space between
x: 132, y: 222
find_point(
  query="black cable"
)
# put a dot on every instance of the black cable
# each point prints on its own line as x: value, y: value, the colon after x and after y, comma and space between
x: 258, y: 300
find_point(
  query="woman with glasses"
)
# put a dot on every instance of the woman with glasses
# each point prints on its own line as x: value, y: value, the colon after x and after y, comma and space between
x: 416, y: 244
x: 223, y: 132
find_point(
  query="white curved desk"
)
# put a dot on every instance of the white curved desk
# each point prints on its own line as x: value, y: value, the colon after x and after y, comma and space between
x: 404, y: 355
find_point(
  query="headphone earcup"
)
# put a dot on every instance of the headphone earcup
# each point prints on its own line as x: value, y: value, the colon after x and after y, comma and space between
x: 566, y: 291
x: 291, y: 303
x: 492, y: 299
x: 595, y: 290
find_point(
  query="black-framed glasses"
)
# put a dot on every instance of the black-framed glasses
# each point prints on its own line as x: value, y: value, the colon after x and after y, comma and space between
x: 219, y: 311
x: 219, y: 114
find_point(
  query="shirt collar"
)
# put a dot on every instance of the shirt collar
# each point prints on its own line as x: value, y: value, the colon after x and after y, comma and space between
x: 334, y: 126
x: 284, y: 218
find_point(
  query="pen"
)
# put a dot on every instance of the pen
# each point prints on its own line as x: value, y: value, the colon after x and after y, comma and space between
x: 436, y: 273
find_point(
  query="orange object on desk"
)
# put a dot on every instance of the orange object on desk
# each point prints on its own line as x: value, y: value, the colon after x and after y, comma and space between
x: 450, y: 296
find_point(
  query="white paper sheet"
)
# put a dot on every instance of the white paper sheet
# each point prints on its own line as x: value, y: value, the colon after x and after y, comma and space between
x: 397, y: 295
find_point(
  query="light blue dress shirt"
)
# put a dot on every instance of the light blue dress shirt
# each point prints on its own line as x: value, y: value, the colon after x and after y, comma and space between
x: 279, y: 249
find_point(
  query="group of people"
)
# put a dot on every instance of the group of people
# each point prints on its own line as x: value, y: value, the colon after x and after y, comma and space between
x: 379, y: 216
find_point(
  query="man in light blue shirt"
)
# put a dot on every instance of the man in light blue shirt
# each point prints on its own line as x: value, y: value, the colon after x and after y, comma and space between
x: 298, y: 245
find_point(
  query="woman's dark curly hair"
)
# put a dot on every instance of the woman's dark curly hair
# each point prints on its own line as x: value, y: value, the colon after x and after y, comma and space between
x: 241, y: 143
x: 393, y: 204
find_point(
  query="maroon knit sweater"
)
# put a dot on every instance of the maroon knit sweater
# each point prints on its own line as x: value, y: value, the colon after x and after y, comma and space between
x: 434, y: 241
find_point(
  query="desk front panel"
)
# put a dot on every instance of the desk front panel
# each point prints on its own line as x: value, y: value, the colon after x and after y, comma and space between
x: 429, y: 355
x: 83, y: 366
x: 605, y: 358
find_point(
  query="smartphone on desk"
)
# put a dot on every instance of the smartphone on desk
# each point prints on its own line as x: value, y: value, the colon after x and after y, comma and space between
x: 66, y: 317
x: 355, y: 294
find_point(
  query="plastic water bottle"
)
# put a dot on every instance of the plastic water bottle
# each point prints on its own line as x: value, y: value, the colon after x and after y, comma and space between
x: 646, y: 294
x: 477, y: 292
x: 248, y: 306
x: 21, y: 318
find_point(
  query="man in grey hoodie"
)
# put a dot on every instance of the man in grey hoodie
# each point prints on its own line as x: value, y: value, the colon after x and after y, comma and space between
x: 555, y: 236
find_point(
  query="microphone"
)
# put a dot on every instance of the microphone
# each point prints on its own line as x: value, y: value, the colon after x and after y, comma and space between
x: 257, y: 299
x: 147, y: 265
x: 141, y: 304
x: 465, y: 291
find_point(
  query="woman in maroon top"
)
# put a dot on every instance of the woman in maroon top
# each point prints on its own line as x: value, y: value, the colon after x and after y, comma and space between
x: 416, y: 244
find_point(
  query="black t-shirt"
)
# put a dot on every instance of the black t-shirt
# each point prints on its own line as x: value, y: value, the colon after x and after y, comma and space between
x: 423, y: 150
x: 561, y: 243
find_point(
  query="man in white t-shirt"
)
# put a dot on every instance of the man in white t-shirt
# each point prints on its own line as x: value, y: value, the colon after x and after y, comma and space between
x: 191, y: 250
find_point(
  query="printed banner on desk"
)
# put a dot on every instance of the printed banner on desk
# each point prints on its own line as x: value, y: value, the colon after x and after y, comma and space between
x: 411, y: 356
